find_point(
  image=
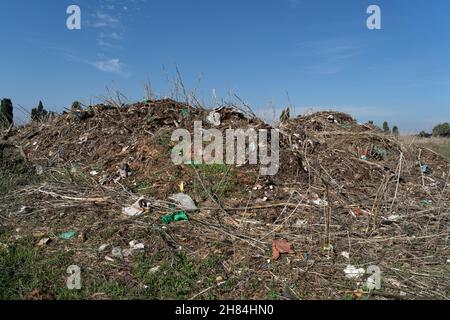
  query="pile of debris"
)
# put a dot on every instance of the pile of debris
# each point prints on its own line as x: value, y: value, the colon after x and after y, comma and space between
x: 345, y: 194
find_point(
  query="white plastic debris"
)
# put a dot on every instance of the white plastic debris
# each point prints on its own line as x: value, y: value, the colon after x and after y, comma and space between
x: 185, y: 201
x: 301, y: 223
x: 214, y: 118
x: 346, y: 255
x: 393, y: 218
x: 102, y: 247
x: 264, y: 199
x: 319, y: 202
x: 134, y: 245
x: 137, y: 208
x: 155, y: 269
x: 132, y: 211
x: 93, y: 173
x: 351, y: 272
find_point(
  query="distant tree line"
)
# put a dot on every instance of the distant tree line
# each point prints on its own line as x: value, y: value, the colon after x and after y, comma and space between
x: 38, y: 114
x: 441, y: 130
x: 386, y: 129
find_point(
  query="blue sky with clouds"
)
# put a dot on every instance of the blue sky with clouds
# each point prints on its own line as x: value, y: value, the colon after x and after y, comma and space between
x: 319, y: 51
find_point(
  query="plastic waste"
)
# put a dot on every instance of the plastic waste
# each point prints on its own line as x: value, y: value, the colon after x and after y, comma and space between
x: 185, y: 202
x: 102, y: 247
x: 175, y: 217
x: 68, y: 235
x: 138, y: 208
x: 425, y: 169
x: 134, y: 245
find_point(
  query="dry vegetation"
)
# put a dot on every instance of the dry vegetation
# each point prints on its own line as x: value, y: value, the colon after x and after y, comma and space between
x: 438, y: 145
x: 346, y: 194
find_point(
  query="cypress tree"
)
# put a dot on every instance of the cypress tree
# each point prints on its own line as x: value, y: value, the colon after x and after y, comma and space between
x: 6, y: 113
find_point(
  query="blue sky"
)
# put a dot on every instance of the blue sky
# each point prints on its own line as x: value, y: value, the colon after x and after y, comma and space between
x: 319, y: 51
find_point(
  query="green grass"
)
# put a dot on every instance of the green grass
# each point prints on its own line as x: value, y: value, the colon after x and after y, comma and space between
x: 29, y: 272
x: 176, y: 278
x: 14, y: 174
x: 441, y: 148
x: 26, y: 269
x: 220, y: 180
x: 438, y: 145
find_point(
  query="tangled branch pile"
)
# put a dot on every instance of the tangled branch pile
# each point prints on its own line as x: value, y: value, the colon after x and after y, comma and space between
x: 346, y: 194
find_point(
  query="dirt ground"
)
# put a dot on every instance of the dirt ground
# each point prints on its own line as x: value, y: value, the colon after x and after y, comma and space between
x: 347, y: 199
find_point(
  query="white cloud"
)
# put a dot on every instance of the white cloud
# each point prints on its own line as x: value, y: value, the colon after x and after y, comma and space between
x: 102, y: 64
x: 110, y: 65
x: 329, y: 56
x: 104, y: 20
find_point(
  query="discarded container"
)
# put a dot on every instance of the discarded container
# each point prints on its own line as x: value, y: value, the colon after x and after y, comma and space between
x: 132, y: 211
x: 175, y: 217
x: 68, y: 235
x: 185, y: 201
x: 138, y: 208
